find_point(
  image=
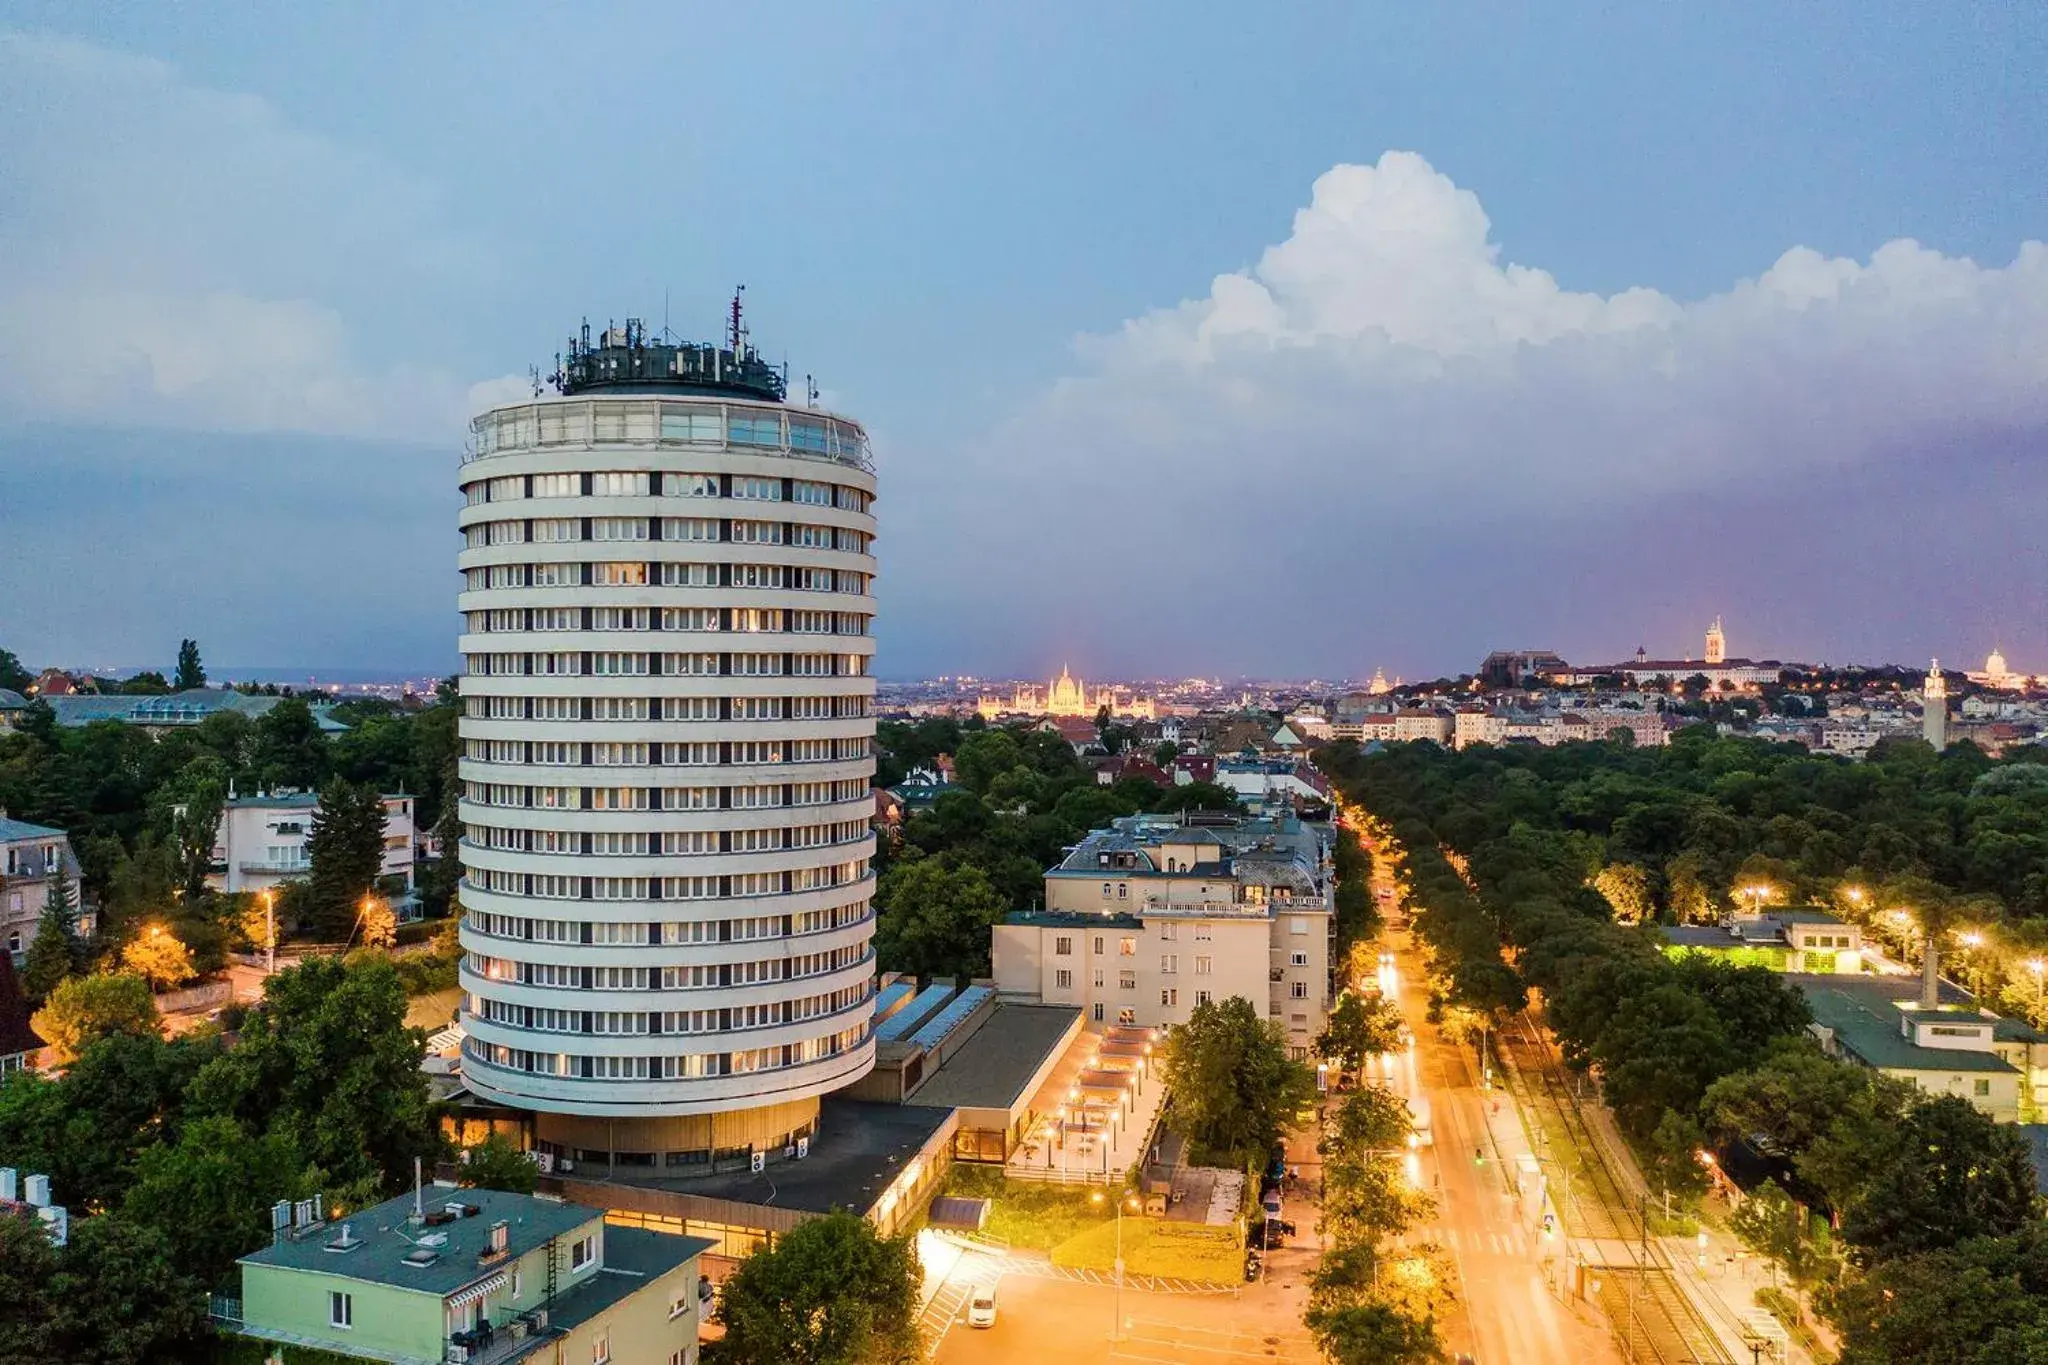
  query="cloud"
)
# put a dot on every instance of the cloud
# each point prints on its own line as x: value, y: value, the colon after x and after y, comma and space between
x: 1382, y: 407
x: 177, y: 256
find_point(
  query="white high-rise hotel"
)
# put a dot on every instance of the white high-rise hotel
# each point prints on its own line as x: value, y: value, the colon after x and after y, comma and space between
x: 667, y: 744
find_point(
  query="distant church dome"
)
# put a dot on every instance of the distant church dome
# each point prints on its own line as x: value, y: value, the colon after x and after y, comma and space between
x: 1995, y: 664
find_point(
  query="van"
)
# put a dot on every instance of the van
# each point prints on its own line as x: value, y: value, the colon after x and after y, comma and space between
x: 981, y: 1306
x: 1420, y: 1135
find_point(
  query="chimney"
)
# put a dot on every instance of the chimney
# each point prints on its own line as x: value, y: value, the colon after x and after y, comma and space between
x: 1930, y: 976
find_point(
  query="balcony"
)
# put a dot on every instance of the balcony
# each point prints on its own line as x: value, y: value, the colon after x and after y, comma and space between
x: 296, y: 868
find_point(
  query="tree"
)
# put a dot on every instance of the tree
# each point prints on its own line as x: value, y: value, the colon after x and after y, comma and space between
x: 191, y: 673
x: 196, y: 826
x: 53, y: 953
x: 832, y: 1292
x: 158, y: 957
x: 496, y: 1164
x: 327, y: 1060
x: 1772, y: 1225
x: 1788, y: 1103
x: 84, y: 1009
x: 288, y: 749
x: 1627, y: 888
x: 211, y: 1191
x: 984, y: 757
x: 13, y: 676
x: 346, y: 847
x: 1951, y: 1174
x: 1164, y: 752
x: 1983, y: 1303
x: 1374, y: 1333
x: 935, y: 918
x: 124, y: 1296
x: 379, y: 923
x: 86, y: 1128
x: 1234, y: 1086
x: 1359, y: 1027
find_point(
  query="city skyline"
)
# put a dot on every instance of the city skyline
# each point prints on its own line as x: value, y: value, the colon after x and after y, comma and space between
x: 1473, y: 352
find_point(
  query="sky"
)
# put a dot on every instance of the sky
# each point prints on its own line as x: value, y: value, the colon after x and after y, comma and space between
x: 1191, y: 338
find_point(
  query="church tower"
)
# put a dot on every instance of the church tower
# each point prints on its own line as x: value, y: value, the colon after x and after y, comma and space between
x: 1717, y: 643
x: 1934, y: 708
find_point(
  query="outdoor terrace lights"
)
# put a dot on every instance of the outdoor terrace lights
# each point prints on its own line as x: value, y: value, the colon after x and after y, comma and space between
x: 1970, y: 938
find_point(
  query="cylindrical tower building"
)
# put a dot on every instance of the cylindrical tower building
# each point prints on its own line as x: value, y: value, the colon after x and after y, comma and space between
x: 667, y: 746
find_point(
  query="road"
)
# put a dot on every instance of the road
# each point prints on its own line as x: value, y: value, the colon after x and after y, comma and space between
x: 1506, y: 1312
x: 1042, y: 1319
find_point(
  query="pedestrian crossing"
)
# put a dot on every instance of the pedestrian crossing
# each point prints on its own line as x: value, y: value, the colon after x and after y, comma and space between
x: 1513, y: 1242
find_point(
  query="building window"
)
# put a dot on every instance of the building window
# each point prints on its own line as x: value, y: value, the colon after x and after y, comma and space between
x: 1201, y: 933
x: 1982, y: 1089
x: 1127, y: 981
x: 1127, y: 947
x: 1127, y: 1016
x: 1168, y: 932
x: 582, y: 1252
x: 678, y: 1306
x: 1098, y: 1012
x: 1098, y: 978
x: 1298, y: 959
x: 1169, y: 998
x: 1297, y: 926
x: 1105, y: 890
x: 1063, y: 980
x: 1300, y: 991
x: 341, y: 1309
x: 1204, y: 965
x: 1098, y: 945
x: 1063, y: 946
x: 601, y: 1348
x: 1169, y: 963
x: 1201, y: 998
x: 1123, y: 891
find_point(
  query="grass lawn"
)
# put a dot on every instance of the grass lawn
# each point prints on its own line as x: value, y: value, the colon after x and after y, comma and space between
x: 1066, y: 1221
x: 433, y: 1010
x: 1187, y: 1251
x: 1025, y: 1213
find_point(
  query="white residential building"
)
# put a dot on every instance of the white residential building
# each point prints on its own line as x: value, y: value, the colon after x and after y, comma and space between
x: 262, y: 842
x: 667, y: 751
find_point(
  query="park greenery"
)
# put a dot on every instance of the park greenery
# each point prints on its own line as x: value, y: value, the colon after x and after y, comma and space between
x: 142, y: 812
x: 833, y: 1291
x: 1019, y: 800
x: 170, y: 1153
x: 1528, y: 868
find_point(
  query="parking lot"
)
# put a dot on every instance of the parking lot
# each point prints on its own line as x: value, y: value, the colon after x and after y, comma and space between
x: 1039, y: 1319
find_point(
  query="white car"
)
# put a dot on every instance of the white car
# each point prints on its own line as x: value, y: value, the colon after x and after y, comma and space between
x: 981, y: 1306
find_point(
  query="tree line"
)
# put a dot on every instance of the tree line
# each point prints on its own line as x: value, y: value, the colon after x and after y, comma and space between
x: 1502, y: 854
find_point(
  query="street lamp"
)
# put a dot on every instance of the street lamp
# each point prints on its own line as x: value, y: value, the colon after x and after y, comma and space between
x: 2037, y: 967
x: 1756, y: 891
x: 1117, y: 1327
x: 269, y: 898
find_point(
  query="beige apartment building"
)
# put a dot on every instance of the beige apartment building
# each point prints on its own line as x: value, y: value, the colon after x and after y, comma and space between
x: 1151, y: 917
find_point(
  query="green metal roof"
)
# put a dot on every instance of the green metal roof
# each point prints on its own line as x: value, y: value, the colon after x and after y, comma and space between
x: 384, y: 1239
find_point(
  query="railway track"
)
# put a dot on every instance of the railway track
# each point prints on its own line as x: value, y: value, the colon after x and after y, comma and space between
x: 1646, y: 1309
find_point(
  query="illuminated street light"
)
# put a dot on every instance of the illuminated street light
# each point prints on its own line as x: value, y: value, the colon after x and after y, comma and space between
x: 1117, y: 1327
x: 1970, y: 938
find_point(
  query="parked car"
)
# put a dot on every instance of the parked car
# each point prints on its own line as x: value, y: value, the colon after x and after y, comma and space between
x: 1267, y: 1237
x: 981, y: 1306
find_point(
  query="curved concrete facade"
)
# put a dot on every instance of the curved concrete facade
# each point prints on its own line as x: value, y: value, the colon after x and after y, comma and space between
x: 667, y: 751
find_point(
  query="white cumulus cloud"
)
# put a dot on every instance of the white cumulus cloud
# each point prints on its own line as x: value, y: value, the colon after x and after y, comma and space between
x: 1385, y: 402
x: 178, y: 256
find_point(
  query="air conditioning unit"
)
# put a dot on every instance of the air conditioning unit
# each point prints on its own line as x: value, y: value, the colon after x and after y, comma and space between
x: 803, y: 1148
x: 567, y: 1165
x: 757, y: 1162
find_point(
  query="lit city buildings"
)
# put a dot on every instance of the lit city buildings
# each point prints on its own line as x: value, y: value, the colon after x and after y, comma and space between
x: 1152, y: 916
x: 667, y: 745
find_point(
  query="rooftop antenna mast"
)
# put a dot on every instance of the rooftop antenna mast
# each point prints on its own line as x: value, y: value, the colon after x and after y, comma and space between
x: 736, y: 329
x: 810, y: 392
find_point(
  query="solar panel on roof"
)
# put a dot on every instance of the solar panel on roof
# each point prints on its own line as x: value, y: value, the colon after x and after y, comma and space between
x: 907, y: 1018
x: 950, y: 1018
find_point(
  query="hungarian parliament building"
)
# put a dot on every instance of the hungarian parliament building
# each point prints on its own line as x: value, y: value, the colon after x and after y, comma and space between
x: 1065, y: 695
